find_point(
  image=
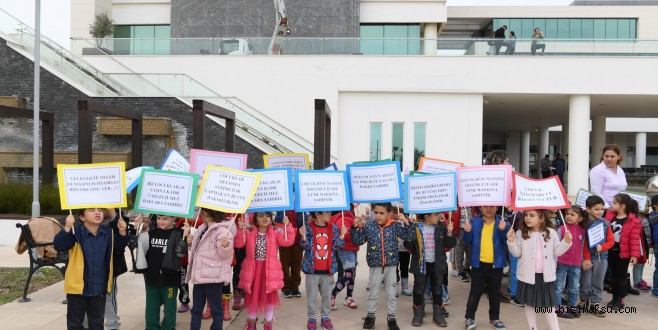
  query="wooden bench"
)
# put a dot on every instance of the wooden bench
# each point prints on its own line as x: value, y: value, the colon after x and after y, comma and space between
x: 37, y: 261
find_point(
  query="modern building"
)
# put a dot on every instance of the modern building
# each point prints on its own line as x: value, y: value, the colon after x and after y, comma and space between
x: 402, y: 78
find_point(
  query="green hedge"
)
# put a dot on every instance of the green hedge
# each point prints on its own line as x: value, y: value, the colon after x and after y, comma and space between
x: 16, y: 198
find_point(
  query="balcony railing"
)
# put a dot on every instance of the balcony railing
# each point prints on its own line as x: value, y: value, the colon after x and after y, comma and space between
x: 361, y: 46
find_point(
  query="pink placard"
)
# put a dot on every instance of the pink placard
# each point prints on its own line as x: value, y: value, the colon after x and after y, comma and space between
x: 531, y: 194
x: 484, y: 185
x: 200, y: 159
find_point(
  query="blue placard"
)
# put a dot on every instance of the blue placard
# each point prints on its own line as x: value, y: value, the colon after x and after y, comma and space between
x: 134, y: 177
x: 596, y: 235
x: 321, y: 191
x: 272, y: 195
x: 331, y: 167
x: 174, y: 161
x: 375, y: 182
x: 430, y: 193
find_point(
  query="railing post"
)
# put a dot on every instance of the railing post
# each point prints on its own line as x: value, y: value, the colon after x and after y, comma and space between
x: 322, y: 139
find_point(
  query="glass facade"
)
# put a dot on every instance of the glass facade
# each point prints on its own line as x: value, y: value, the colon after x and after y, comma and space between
x: 398, y: 142
x: 375, y: 141
x: 390, y: 39
x: 419, y: 142
x: 571, y: 28
x: 149, y: 45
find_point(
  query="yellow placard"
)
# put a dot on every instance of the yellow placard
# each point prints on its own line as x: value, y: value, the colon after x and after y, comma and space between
x: 296, y: 161
x: 227, y: 190
x: 84, y: 186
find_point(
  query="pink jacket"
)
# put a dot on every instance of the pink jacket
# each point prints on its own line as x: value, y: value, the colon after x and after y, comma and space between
x: 573, y: 256
x: 524, y: 249
x: 273, y: 270
x: 209, y: 262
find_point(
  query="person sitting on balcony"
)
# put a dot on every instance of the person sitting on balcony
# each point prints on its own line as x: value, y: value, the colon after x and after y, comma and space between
x: 511, y: 43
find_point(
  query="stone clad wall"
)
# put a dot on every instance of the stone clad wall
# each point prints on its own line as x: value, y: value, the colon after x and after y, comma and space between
x: 16, y: 78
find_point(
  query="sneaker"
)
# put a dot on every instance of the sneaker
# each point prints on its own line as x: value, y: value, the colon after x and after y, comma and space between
x: 392, y: 324
x: 454, y: 273
x: 564, y: 313
x: 516, y: 302
x: 597, y: 310
x: 183, y: 308
x: 287, y: 294
x: 446, y: 301
x: 349, y: 302
x: 444, y: 312
x: 368, y: 322
x: 463, y: 276
x: 496, y: 324
x: 332, y: 303
x: 642, y: 286
x: 325, y: 322
x: 310, y: 325
x: 296, y: 294
x: 470, y: 324
x: 407, y: 292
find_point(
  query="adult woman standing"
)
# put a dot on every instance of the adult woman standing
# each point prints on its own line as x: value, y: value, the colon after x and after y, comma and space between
x: 608, y: 178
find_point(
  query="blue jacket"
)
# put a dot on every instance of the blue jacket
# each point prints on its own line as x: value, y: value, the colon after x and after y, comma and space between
x: 308, y: 261
x: 499, y: 242
x: 376, y: 235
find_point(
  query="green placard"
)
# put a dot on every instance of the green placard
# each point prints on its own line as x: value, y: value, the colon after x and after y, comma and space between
x: 167, y: 193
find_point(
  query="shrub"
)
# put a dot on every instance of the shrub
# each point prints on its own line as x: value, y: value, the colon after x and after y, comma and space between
x: 16, y: 198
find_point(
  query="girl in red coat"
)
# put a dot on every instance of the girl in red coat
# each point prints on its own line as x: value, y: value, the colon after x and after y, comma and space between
x: 626, y: 228
x: 261, y: 276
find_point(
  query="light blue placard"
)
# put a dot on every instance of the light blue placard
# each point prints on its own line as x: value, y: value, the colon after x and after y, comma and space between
x: 320, y: 190
x: 596, y: 235
x: 134, y: 177
x: 440, y: 193
x: 331, y: 167
x: 367, y: 186
x: 273, y: 196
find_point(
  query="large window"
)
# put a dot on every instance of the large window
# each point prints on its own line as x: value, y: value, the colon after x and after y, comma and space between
x: 390, y: 39
x: 375, y: 141
x: 571, y: 28
x: 419, y: 143
x: 144, y: 39
x: 398, y: 142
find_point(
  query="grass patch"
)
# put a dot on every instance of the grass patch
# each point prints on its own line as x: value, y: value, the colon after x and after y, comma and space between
x: 13, y: 279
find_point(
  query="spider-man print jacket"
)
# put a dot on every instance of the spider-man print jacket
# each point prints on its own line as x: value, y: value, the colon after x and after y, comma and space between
x: 382, y: 249
x: 310, y: 247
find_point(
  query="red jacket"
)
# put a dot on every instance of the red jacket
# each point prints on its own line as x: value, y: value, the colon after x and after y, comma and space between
x: 630, y: 240
x: 273, y: 269
x: 336, y: 219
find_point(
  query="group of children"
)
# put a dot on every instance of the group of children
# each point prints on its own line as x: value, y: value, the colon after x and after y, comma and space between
x: 550, y: 257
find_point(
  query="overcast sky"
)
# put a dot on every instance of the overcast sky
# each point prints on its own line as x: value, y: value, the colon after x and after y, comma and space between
x: 55, y: 14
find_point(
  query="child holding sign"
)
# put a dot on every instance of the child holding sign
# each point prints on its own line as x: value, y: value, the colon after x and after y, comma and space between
x: 347, y: 255
x: 86, y: 287
x: 320, y: 240
x: 486, y: 234
x: 261, y: 276
x: 535, y: 244
x: 428, y: 261
x: 382, y: 256
x: 159, y: 254
x: 598, y: 241
x: 210, y: 256
x: 568, y: 264
x: 627, y: 230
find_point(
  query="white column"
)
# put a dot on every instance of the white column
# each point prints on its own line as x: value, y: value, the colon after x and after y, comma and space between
x: 598, y: 139
x: 640, y: 149
x: 579, y: 110
x: 430, y: 34
x: 408, y: 146
x: 525, y: 153
x: 542, y: 147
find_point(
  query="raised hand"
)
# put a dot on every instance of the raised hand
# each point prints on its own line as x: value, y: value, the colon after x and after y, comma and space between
x: 568, y: 237
x: 402, y: 218
x: 70, y: 221
x: 286, y: 221
x: 598, y: 248
x: 468, y: 226
x: 502, y: 224
x: 450, y: 227
x: 138, y: 220
x: 510, y: 235
x: 343, y: 231
x: 223, y: 241
x: 190, y: 239
x: 122, y: 226
x: 302, y: 232
x: 186, y: 228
